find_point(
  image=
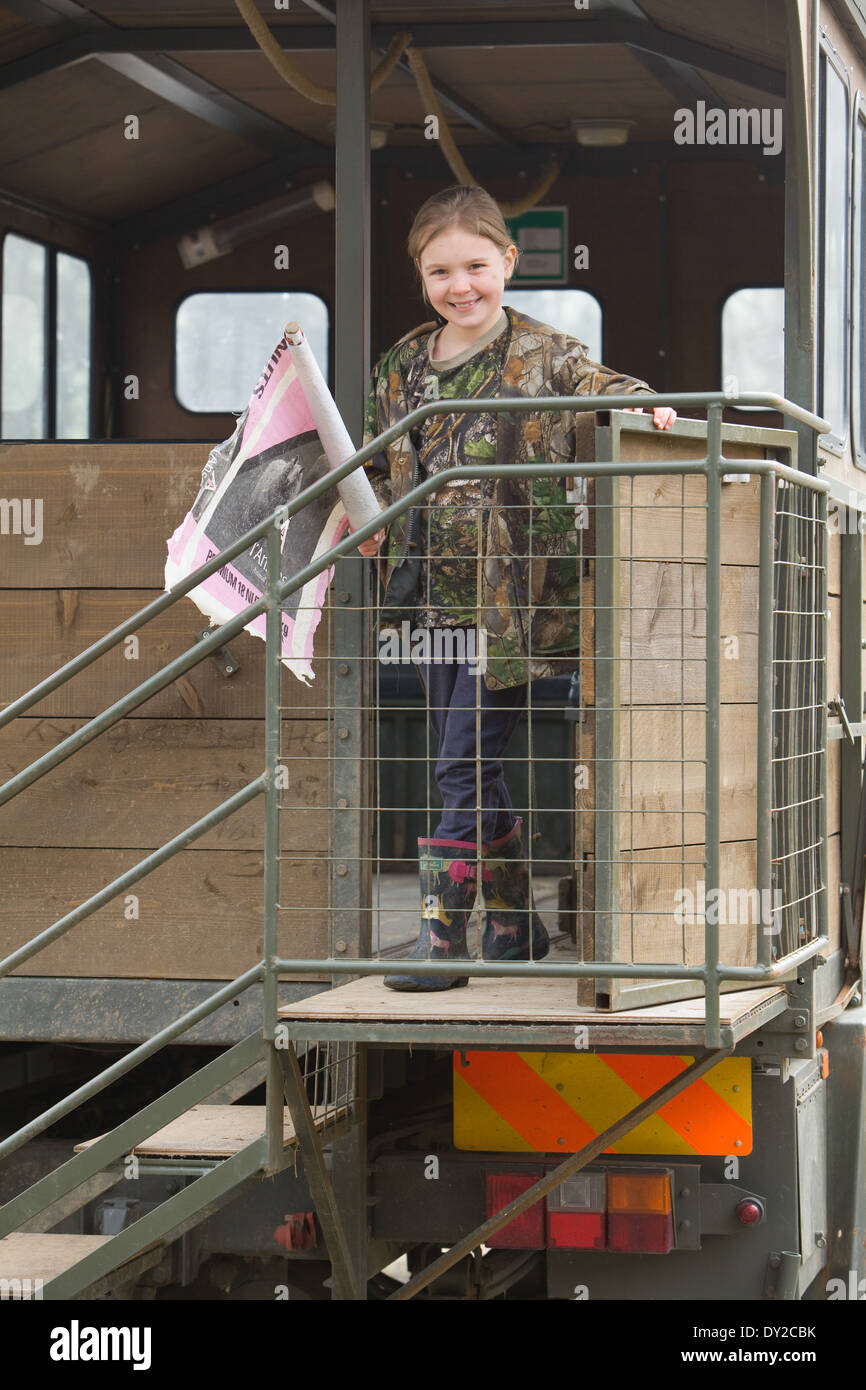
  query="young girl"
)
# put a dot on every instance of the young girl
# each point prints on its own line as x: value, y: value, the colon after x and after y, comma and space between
x: 516, y: 624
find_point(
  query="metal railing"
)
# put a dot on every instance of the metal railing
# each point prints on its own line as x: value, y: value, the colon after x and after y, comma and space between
x: 711, y: 972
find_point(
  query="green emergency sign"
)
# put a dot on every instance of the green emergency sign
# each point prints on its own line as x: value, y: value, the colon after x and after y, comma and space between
x: 541, y: 237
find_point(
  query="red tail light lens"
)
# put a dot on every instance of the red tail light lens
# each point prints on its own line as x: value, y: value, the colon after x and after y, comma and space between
x: 640, y: 1212
x: 641, y: 1235
x: 525, y: 1232
x: 576, y: 1214
x: 626, y: 1210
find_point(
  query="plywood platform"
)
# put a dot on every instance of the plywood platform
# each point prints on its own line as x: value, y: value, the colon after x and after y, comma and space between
x: 30, y: 1262
x: 209, y: 1131
x: 44, y: 1256
x: 365, y: 1009
x: 215, y: 1131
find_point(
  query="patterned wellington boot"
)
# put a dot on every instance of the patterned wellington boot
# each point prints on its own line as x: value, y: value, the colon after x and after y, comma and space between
x: 511, y: 913
x: 448, y: 889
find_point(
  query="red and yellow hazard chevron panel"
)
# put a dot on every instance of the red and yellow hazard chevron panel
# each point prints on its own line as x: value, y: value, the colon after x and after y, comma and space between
x: 553, y: 1102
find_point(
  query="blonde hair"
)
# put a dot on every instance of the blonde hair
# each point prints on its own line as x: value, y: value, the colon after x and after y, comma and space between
x: 465, y: 206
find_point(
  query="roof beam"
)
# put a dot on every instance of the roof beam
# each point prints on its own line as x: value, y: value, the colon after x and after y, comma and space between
x: 681, y: 79
x: 165, y: 78
x: 176, y: 84
x: 613, y: 30
x: 458, y: 104
x: 54, y: 14
x: 609, y: 28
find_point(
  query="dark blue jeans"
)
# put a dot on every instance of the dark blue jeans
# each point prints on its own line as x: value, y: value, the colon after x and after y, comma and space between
x: 453, y: 689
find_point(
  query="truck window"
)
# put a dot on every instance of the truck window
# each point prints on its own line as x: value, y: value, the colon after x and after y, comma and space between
x: 47, y: 312
x: 832, y: 233
x: 753, y: 341
x: 574, y: 311
x: 74, y: 311
x: 224, y: 338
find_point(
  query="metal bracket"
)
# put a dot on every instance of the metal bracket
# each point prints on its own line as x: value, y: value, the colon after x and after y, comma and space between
x: 719, y: 1203
x: 852, y: 944
x: 792, y: 1033
x: 226, y: 662
x: 837, y: 706
x: 780, y: 1280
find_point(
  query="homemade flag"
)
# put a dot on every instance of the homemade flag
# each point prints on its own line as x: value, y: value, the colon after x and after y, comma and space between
x: 277, y: 450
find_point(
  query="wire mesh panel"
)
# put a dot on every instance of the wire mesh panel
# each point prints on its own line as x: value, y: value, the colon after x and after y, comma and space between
x: 799, y: 716
x: 330, y: 1076
x: 509, y: 757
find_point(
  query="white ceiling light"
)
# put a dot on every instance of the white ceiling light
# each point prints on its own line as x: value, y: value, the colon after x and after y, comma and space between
x: 602, y: 132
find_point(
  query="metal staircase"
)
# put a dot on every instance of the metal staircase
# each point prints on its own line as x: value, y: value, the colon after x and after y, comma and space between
x: 228, y: 1149
x: 225, y: 1149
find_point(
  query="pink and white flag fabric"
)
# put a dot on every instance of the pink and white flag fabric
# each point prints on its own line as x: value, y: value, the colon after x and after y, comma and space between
x: 274, y: 453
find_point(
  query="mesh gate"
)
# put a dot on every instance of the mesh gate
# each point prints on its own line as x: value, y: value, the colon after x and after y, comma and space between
x: 605, y: 756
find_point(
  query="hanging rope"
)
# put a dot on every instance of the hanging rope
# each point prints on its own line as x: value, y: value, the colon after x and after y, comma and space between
x: 282, y: 63
x: 400, y: 44
x: 458, y: 165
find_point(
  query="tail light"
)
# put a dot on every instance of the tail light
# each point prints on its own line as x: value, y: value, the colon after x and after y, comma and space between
x: 576, y: 1212
x: 627, y: 1210
x: 640, y: 1212
x: 525, y: 1232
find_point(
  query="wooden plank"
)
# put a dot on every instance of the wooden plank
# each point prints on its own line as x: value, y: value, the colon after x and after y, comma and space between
x: 107, y: 511
x: 834, y: 878
x: 218, y: 1131
x: 209, y: 1131
x: 834, y: 562
x: 663, y: 633
x: 199, y: 915
x: 651, y: 886
x: 663, y: 516
x: 145, y: 780
x: 43, y: 629
x: 28, y: 1256
x: 501, y: 1001
x: 834, y: 648
x: 834, y: 786
x: 662, y: 778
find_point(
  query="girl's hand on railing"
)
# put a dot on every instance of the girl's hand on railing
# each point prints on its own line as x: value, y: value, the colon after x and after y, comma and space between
x: 370, y: 546
x: 663, y: 415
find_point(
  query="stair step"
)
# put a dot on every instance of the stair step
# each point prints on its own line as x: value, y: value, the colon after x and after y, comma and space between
x: 209, y: 1131
x: 43, y: 1257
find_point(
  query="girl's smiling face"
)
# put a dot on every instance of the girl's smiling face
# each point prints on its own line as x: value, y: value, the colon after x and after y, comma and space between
x: 464, y: 276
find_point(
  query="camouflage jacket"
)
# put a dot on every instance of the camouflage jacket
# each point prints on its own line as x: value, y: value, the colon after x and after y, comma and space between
x: 448, y: 524
x: 529, y: 604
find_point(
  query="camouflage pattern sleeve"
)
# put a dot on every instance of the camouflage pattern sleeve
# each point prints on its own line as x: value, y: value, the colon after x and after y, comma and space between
x: 578, y: 375
x: 587, y: 378
x: 378, y: 468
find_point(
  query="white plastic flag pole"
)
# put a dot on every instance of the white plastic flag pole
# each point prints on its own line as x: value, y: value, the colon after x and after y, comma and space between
x: 358, y: 497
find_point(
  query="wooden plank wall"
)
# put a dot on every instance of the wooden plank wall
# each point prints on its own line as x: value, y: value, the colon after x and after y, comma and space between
x: 107, y: 511
x: 660, y: 692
